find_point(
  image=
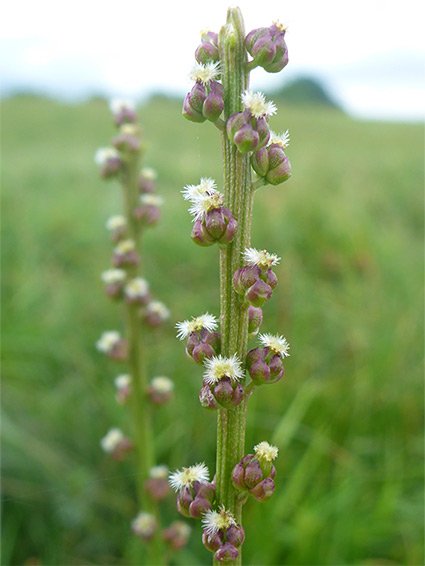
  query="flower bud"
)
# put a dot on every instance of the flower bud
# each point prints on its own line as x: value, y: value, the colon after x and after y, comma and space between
x: 125, y: 254
x: 147, y: 179
x: 157, y: 485
x: 255, y: 473
x: 127, y: 140
x: 260, y: 161
x: 249, y: 284
x: 114, y: 280
x: 214, y: 225
x: 212, y: 541
x: 207, y: 399
x: 265, y: 365
x: 213, y: 106
x: 255, y: 318
x: 123, y: 111
x: 203, y: 345
x: 144, y: 526
x: 268, y: 48
x: 228, y: 394
x: 136, y: 291
x: 263, y: 490
x: 117, y: 225
x: 193, y: 103
x: 116, y: 444
x: 177, y: 535
x: 279, y: 166
x: 226, y: 553
x: 199, y: 507
x: 160, y: 390
x: 155, y: 313
x: 111, y: 344
x: 148, y: 213
x: 123, y: 384
x: 110, y: 162
x: 235, y: 535
x: 207, y: 52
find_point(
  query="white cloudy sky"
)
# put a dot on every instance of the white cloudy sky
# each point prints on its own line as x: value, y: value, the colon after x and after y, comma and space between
x: 370, y: 53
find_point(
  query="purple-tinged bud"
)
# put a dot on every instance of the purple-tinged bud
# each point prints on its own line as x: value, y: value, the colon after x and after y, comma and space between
x: 260, y: 161
x: 193, y: 103
x: 123, y: 111
x: 114, y: 280
x: 228, y: 394
x: 207, y: 399
x: 263, y: 51
x: 263, y: 131
x: 204, y: 489
x: 184, y: 499
x: 125, y: 254
x: 245, y: 277
x: 200, y: 235
x: 109, y: 161
x: 258, y: 294
x: 264, y: 490
x: 155, y: 313
x: 238, y: 476
x: 213, y: 106
x: 177, y: 535
x: 158, y: 488
x: 246, y: 139
x: 254, y: 36
x: 206, y: 53
x: 160, y: 390
x: 127, y: 139
x: 253, y: 474
x: 226, y: 553
x: 147, y: 214
x: 213, y: 541
x: 255, y: 318
x: 214, y: 225
x: 235, y: 535
x: 147, y: 179
x: 190, y: 113
x: 198, y: 507
x: 123, y: 384
x: 281, y: 172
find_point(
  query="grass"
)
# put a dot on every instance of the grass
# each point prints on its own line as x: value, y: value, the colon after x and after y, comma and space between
x: 347, y: 417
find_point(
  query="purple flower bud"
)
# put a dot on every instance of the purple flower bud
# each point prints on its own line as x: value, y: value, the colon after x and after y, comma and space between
x: 216, y: 225
x: 254, y: 36
x: 235, y: 535
x: 226, y: 553
x: 245, y: 277
x: 200, y: 235
x: 280, y: 173
x: 264, y: 366
x: 212, y: 541
x: 204, y: 489
x: 126, y: 142
x: 255, y: 318
x: 264, y: 490
x: 249, y: 282
x: 114, y: 290
x: 128, y: 258
x: 184, y: 499
x: 228, y: 394
x: 193, y: 104
x: 253, y: 474
x: 202, y: 345
x: 157, y: 488
x: 111, y: 168
x: 258, y: 294
x: 263, y: 51
x: 177, y: 535
x: 207, y: 52
x: 260, y: 162
x: 125, y: 115
x: 207, y: 398
x: 246, y: 139
x: 147, y: 214
x: 198, y: 507
x: 213, y: 106
x: 268, y: 48
x: 146, y: 185
x: 119, y: 350
x: 263, y: 130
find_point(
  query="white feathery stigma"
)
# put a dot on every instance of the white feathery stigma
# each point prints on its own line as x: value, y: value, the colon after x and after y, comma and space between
x: 203, y: 203
x: 103, y: 154
x: 205, y: 73
x: 122, y: 381
x: 186, y: 476
x: 214, y: 521
x: 218, y: 367
x: 124, y: 246
x: 278, y: 344
x: 265, y: 451
x: 111, y: 440
x: 280, y: 139
x: 162, y: 384
x: 151, y: 200
x: 206, y: 186
x: 137, y: 287
x: 144, y: 524
x: 111, y: 276
x: 158, y: 308
x: 117, y: 221
x: 159, y: 472
x: 259, y: 257
x: 207, y: 321
x: 256, y: 103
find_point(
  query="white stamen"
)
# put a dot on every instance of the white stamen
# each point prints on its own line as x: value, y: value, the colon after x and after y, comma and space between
x: 103, y: 154
x: 111, y: 440
x: 214, y: 521
x: 117, y: 221
x: 280, y: 139
x: 256, y: 103
x: 186, y: 476
x: 260, y: 257
x: 111, y: 276
x: 137, y: 287
x: 278, y: 344
x: 108, y: 340
x: 266, y: 451
x: 218, y: 367
x: 204, y: 73
x: 207, y: 321
x: 206, y: 186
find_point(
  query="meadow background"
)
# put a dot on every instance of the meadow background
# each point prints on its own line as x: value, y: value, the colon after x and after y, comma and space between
x: 348, y: 415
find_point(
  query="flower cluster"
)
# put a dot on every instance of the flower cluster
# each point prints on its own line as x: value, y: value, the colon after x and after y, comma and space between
x: 195, y: 492
x: 213, y: 222
x: 222, y: 535
x: 255, y: 472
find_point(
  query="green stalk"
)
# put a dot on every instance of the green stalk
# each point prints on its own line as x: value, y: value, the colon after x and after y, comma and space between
x: 141, y: 407
x: 238, y: 196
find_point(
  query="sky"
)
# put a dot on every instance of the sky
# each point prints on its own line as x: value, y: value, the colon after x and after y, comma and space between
x: 370, y: 55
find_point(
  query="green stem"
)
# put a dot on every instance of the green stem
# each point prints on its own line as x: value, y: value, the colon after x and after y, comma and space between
x: 238, y: 197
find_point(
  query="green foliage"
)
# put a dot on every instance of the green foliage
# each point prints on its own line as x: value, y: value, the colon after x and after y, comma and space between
x: 347, y: 416
x: 305, y: 91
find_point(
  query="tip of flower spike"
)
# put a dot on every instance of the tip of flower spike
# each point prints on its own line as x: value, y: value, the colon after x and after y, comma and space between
x: 278, y: 344
x: 204, y: 73
x: 186, y: 476
x: 256, y: 103
x: 260, y: 257
x: 266, y: 451
x: 218, y: 367
x: 280, y: 139
x: 205, y: 202
x: 118, y: 104
x: 206, y: 186
x: 214, y: 521
x: 207, y: 321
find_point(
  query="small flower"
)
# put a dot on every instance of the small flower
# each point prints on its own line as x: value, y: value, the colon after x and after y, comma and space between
x: 207, y: 321
x: 204, y: 203
x: 206, y: 186
x: 104, y: 154
x: 136, y: 288
x: 260, y: 257
x: 159, y: 472
x: 218, y: 367
x: 280, y: 139
x: 214, y: 521
x: 111, y: 276
x: 124, y: 247
x: 186, y: 476
x: 117, y: 105
x: 117, y: 221
x: 255, y: 102
x: 265, y: 451
x: 122, y: 381
x: 112, y: 440
x: 151, y: 200
x: 279, y: 26
x: 157, y: 310
x: 204, y: 73
x: 108, y: 340
x: 149, y: 173
x: 144, y: 525
x: 162, y: 384
x: 277, y: 344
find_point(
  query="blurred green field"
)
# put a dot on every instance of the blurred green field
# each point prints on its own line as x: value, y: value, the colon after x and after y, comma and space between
x: 348, y: 415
